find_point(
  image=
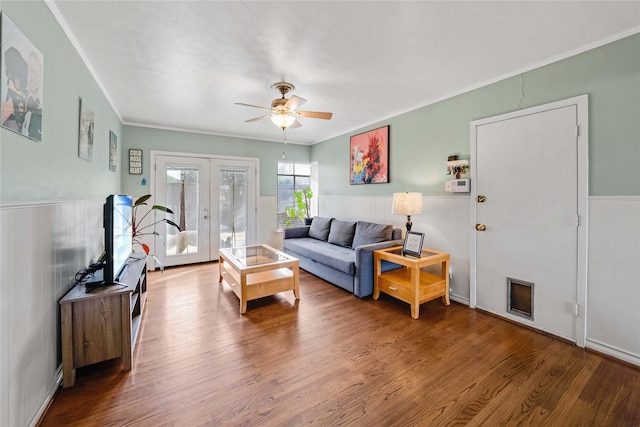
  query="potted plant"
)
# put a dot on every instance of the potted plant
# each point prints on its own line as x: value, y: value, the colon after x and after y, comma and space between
x: 138, y: 230
x: 302, y: 206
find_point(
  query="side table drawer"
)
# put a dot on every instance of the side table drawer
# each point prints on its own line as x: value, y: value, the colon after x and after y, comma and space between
x: 394, y: 289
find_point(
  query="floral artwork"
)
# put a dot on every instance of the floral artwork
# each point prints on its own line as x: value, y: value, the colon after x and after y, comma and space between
x: 370, y: 157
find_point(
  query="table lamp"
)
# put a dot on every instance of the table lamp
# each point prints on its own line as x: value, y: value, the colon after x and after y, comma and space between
x: 407, y: 204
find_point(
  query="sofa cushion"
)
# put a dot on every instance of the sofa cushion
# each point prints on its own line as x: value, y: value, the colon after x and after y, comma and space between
x: 369, y: 232
x: 320, y: 228
x: 342, y: 232
x: 338, y: 257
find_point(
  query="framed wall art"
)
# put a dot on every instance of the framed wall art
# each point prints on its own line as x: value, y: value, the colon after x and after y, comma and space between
x: 135, y: 161
x: 113, y: 151
x: 21, y: 84
x: 85, y: 131
x: 370, y: 157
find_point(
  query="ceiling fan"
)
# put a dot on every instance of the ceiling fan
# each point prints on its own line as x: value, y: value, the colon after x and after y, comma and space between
x: 284, y: 112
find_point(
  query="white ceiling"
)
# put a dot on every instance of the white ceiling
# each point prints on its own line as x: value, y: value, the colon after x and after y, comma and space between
x: 182, y: 64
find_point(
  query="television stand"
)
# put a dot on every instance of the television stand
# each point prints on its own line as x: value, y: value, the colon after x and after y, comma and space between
x: 102, y: 324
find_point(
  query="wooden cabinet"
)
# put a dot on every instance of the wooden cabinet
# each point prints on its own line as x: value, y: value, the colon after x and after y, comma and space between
x: 411, y: 283
x: 102, y: 324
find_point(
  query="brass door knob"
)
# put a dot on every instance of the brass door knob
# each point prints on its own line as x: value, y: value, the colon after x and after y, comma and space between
x: 482, y: 199
x: 481, y: 227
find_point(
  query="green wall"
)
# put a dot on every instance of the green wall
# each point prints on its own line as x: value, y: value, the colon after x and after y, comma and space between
x: 420, y: 141
x: 149, y: 139
x: 50, y: 170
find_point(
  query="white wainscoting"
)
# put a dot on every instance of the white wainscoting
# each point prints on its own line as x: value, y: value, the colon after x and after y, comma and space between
x: 268, y: 232
x: 613, y: 291
x: 41, y: 248
x: 445, y: 221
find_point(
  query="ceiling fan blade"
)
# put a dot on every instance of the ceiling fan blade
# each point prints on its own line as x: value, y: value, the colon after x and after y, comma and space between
x: 314, y: 114
x: 294, y: 102
x: 253, y: 106
x: 255, y: 119
x: 295, y: 124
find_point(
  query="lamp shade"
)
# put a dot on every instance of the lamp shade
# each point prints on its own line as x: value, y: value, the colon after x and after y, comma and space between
x: 282, y: 119
x: 407, y: 204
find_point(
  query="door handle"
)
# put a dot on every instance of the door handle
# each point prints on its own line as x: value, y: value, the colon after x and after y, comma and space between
x: 481, y: 227
x: 482, y: 199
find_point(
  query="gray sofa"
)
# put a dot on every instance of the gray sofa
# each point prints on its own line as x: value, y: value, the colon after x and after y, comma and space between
x: 341, y: 252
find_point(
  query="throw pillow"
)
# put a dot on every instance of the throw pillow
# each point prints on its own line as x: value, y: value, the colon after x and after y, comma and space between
x: 320, y: 228
x: 341, y: 232
x: 368, y: 232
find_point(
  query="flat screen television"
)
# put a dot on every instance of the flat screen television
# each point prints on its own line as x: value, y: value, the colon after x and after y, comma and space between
x: 117, y: 237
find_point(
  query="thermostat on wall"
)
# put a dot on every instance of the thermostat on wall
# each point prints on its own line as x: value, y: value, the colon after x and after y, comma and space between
x: 457, y: 186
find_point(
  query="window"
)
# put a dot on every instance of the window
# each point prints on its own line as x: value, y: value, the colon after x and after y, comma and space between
x: 291, y: 177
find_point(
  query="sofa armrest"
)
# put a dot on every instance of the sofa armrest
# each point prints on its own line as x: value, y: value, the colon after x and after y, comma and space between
x: 296, y: 232
x: 363, y: 283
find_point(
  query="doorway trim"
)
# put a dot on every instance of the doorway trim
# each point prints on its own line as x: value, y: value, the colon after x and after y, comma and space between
x: 582, y: 138
x: 153, y: 154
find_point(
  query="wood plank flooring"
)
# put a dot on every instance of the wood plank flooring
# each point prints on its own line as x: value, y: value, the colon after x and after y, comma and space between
x: 332, y: 359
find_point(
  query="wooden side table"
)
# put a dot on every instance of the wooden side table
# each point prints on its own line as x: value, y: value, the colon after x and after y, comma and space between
x: 410, y: 283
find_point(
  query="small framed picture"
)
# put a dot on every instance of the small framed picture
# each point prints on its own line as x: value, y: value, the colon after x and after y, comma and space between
x: 135, y: 161
x: 413, y: 244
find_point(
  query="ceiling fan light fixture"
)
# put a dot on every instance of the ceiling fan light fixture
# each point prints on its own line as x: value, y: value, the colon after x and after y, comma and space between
x: 282, y: 119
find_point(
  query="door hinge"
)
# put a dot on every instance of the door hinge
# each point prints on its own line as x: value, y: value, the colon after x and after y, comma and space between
x: 578, y: 220
x: 577, y: 309
x: 577, y: 131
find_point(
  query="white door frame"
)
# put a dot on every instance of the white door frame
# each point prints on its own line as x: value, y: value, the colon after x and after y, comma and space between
x: 582, y: 107
x: 152, y: 184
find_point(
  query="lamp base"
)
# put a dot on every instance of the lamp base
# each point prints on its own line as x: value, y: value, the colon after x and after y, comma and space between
x: 409, y: 224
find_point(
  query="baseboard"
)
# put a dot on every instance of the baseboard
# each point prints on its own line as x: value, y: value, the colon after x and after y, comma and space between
x: 612, y: 351
x: 459, y: 299
x: 48, y: 399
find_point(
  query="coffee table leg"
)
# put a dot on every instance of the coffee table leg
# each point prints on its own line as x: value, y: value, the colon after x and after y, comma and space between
x: 296, y: 280
x: 243, y: 293
x: 220, y: 262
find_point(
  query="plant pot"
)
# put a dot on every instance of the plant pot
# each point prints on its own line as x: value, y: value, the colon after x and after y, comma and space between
x: 307, y: 221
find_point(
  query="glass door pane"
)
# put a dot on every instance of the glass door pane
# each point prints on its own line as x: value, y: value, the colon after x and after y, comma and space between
x: 233, y: 207
x: 182, y: 185
x: 183, y: 200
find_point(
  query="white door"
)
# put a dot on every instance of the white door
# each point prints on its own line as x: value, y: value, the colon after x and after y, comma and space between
x: 528, y: 201
x: 183, y: 185
x: 214, y: 203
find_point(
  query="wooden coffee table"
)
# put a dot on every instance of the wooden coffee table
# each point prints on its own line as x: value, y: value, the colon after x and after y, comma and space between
x: 258, y: 271
x: 410, y: 283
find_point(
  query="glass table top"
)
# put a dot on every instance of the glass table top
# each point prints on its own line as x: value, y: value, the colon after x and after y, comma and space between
x: 255, y: 255
x: 423, y: 254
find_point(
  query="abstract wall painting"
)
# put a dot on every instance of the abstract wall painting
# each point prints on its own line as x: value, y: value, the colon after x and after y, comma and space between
x: 370, y: 157
x: 21, y: 84
x: 85, y: 132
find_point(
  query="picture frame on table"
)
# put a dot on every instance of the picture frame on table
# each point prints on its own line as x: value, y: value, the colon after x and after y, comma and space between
x: 413, y: 244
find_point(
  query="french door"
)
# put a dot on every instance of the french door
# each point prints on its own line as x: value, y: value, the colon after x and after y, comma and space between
x: 214, y: 203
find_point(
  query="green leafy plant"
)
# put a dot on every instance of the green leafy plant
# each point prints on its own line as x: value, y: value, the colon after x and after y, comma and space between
x: 148, y: 230
x: 302, y: 205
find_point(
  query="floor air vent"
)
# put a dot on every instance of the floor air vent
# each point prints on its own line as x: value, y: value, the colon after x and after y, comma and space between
x: 520, y: 298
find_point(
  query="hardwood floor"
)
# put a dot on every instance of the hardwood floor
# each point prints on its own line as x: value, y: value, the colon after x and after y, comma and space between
x: 333, y: 359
